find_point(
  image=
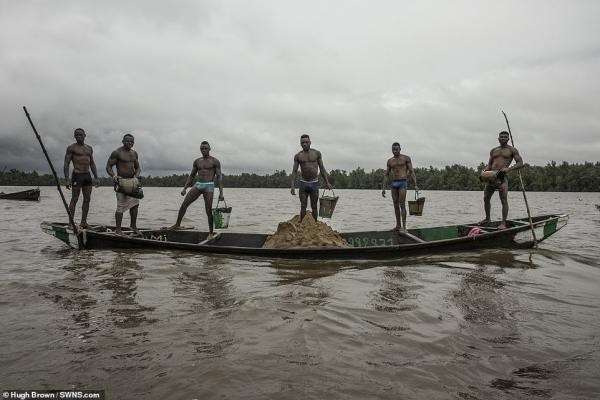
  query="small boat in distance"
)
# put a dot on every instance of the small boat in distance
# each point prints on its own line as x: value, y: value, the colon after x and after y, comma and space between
x: 365, y: 245
x: 29, y: 195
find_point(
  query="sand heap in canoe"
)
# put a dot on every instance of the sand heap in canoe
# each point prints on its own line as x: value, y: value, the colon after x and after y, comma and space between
x: 305, y: 233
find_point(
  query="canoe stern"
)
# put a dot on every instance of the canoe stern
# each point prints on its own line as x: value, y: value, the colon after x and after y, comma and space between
x: 61, y: 232
x: 543, y: 229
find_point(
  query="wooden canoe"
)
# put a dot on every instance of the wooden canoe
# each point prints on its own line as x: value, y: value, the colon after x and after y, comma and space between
x: 365, y: 245
x: 29, y: 195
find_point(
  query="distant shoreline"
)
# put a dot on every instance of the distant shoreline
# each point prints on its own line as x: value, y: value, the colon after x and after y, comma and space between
x: 553, y: 177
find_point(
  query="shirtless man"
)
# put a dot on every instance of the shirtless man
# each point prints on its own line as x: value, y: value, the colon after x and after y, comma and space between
x: 82, y: 157
x: 206, y: 167
x: 310, y: 162
x: 128, y: 170
x: 500, y: 159
x: 398, y: 168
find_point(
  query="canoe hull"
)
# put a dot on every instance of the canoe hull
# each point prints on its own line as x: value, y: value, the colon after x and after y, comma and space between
x: 367, y: 245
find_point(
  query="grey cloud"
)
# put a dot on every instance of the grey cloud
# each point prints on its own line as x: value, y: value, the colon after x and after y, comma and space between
x: 250, y: 77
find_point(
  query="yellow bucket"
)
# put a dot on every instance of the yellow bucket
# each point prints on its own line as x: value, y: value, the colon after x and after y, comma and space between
x: 415, y: 207
x: 327, y: 204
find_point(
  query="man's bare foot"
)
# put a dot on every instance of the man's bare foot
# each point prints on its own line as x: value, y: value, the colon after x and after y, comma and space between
x: 396, y: 228
x: 134, y: 229
x: 502, y: 225
x: 84, y: 225
x: 119, y: 232
x: 210, y: 236
x: 403, y: 230
x: 174, y: 227
x: 483, y: 222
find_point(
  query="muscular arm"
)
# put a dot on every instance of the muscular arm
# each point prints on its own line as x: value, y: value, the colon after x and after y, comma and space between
x: 68, y: 158
x: 112, y: 161
x: 411, y: 171
x: 190, y: 178
x: 136, y: 166
x: 322, y: 170
x: 490, y: 162
x: 93, y: 164
x: 219, y: 178
x: 294, y: 172
x: 518, y: 160
x: 385, y: 178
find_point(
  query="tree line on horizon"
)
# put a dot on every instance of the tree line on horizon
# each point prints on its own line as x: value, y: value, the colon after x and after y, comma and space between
x: 553, y: 177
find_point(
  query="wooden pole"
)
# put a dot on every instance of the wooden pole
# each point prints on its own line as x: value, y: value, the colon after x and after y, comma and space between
x: 62, y: 196
x: 522, y: 185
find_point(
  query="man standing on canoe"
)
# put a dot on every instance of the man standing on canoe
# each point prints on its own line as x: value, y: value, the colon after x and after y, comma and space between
x: 499, y: 162
x: 398, y: 169
x: 207, y: 168
x: 82, y: 157
x: 128, y: 171
x: 310, y: 162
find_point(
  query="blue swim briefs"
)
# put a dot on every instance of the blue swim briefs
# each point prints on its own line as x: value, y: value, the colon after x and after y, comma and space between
x: 205, y: 186
x: 399, y: 184
x: 309, y: 187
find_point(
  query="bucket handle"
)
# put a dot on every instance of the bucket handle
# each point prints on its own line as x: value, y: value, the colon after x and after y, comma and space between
x: 218, y: 201
x: 416, y: 195
x: 327, y: 189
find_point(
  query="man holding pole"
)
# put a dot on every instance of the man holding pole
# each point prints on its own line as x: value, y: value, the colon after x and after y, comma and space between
x: 499, y: 163
x: 82, y: 157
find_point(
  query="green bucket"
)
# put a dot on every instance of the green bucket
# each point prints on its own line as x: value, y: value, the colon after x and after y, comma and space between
x: 221, y: 216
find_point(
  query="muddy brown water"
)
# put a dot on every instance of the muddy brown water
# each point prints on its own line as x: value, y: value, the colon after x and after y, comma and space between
x: 492, y: 324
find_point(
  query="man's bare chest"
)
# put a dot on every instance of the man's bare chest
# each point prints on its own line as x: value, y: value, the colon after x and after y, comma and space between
x: 397, y: 163
x: 502, y: 153
x: 127, y: 157
x: 308, y: 158
x: 205, y: 165
x: 81, y: 151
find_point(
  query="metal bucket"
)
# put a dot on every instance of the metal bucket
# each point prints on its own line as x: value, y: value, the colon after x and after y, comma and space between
x: 221, y: 216
x: 415, y: 207
x: 327, y: 204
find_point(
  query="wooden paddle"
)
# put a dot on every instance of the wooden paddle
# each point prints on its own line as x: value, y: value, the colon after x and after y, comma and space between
x: 522, y: 186
x: 62, y: 196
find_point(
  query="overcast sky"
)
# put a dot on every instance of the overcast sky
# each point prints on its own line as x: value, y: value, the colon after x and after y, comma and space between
x: 251, y: 76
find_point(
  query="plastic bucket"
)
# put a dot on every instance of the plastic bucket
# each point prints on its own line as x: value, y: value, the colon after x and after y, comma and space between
x: 415, y: 207
x: 221, y: 216
x: 327, y: 204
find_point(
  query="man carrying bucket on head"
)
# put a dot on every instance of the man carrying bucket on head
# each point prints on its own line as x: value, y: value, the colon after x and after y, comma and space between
x: 398, y: 168
x: 495, y: 176
x: 310, y: 162
x: 127, y: 184
x: 206, y: 167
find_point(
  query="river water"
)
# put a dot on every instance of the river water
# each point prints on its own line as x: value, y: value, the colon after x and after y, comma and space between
x: 492, y: 324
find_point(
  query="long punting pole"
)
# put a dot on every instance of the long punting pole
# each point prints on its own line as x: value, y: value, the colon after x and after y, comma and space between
x: 62, y: 196
x: 522, y: 186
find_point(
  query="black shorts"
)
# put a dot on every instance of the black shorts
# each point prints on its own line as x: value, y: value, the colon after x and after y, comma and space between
x: 81, y: 179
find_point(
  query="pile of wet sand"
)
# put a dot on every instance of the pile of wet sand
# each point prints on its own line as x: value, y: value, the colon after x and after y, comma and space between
x: 305, y: 233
